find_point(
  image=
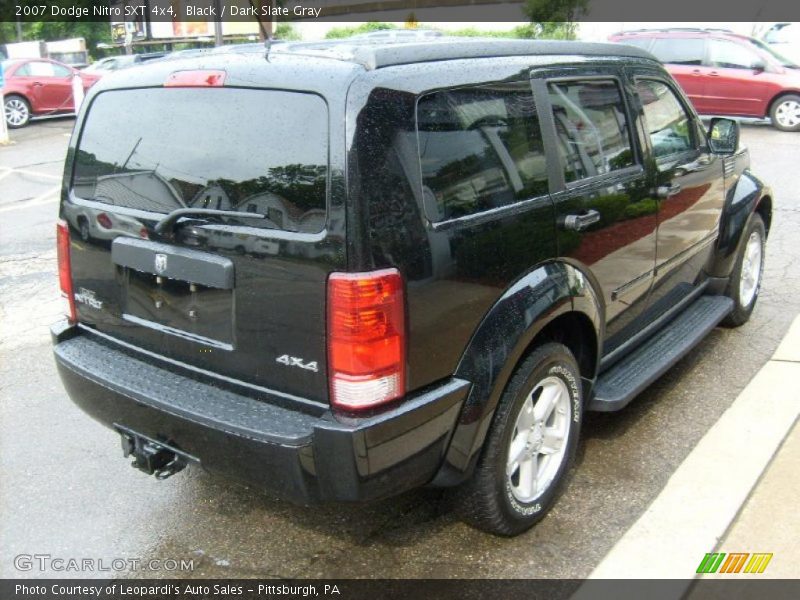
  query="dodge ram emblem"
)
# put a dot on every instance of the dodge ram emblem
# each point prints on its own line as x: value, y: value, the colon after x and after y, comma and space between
x: 161, y: 263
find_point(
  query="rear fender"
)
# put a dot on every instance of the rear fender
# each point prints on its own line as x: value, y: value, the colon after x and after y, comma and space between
x: 501, y: 340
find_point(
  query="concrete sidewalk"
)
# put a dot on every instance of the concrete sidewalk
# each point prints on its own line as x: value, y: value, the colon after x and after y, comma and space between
x: 736, y: 492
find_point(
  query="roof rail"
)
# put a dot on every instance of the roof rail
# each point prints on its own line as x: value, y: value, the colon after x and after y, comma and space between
x: 372, y: 54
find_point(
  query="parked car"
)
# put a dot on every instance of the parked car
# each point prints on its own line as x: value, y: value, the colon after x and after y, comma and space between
x: 455, y: 250
x: 724, y: 73
x: 39, y: 86
x: 784, y: 38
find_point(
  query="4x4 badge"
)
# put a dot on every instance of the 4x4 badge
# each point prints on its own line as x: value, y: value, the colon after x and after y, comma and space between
x: 293, y: 361
x: 161, y: 263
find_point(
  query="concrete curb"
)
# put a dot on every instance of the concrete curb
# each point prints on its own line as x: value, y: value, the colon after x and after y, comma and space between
x: 705, y: 494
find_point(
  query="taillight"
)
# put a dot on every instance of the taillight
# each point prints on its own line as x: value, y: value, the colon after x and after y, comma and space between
x: 104, y: 221
x: 366, y: 338
x: 65, y: 270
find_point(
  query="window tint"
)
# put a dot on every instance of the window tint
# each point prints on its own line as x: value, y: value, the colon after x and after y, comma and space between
x: 679, y: 51
x: 667, y: 122
x: 159, y: 149
x: 730, y: 55
x: 480, y: 148
x: 591, y: 128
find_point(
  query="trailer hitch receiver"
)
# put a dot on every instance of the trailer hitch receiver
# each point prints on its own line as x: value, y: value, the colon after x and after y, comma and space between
x: 151, y: 457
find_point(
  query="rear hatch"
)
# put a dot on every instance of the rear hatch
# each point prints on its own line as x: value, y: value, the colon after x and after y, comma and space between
x: 239, y: 295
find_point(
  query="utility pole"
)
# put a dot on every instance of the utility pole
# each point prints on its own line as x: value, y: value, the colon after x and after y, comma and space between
x: 218, y: 24
x: 19, y: 30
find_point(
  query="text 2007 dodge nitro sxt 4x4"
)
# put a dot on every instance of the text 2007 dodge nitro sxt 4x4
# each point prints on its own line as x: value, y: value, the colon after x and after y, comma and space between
x: 344, y: 270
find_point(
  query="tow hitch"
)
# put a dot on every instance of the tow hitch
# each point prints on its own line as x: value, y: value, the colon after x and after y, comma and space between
x: 152, y: 457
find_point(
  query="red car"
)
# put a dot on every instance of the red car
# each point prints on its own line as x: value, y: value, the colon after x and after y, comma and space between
x: 39, y: 86
x: 724, y: 73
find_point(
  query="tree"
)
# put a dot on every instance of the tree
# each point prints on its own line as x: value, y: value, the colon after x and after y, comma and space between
x: 554, y: 18
x: 49, y: 31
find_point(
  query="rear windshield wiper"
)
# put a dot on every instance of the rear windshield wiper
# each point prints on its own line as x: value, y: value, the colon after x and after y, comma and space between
x: 168, y: 222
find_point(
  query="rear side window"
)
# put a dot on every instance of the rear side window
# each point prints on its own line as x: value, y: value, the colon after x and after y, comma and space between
x: 591, y: 128
x: 480, y: 148
x: 159, y: 149
x: 639, y: 42
x: 668, y: 124
x: 679, y: 51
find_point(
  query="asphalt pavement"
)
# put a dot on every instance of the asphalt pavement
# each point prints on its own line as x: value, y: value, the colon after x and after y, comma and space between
x: 66, y: 491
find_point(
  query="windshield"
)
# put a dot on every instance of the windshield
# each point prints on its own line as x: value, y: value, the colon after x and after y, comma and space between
x: 160, y: 149
x: 784, y: 62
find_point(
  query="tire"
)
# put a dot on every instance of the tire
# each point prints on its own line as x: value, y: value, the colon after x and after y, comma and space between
x: 745, y: 282
x: 17, y: 111
x: 785, y: 113
x: 496, y: 499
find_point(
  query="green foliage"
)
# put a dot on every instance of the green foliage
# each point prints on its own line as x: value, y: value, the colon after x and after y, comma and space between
x: 285, y: 31
x: 554, y: 19
x: 50, y: 31
x: 344, y: 32
x: 545, y: 31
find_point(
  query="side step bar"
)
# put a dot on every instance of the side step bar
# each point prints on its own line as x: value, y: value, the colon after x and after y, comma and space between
x: 619, y: 385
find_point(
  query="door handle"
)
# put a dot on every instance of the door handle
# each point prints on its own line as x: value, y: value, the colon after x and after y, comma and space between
x: 714, y: 73
x: 667, y: 191
x: 696, y: 72
x: 37, y: 83
x: 582, y: 221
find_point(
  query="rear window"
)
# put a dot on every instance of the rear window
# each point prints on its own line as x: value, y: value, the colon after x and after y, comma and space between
x: 257, y: 151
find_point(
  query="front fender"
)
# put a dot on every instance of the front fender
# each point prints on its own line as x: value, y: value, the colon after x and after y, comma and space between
x: 501, y: 340
x: 741, y: 201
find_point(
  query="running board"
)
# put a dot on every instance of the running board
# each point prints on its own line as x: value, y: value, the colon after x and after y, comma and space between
x: 631, y: 375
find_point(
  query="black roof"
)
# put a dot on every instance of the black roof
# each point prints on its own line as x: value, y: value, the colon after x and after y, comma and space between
x: 374, y: 54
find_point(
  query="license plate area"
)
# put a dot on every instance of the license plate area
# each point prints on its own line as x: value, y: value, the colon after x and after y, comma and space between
x: 181, y: 308
x: 177, y: 291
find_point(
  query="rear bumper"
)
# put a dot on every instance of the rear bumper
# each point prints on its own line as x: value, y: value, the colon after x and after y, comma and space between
x: 301, y: 452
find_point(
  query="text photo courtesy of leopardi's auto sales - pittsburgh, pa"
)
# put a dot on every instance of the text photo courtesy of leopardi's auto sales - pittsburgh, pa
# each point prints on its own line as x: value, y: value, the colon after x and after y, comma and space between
x: 389, y: 299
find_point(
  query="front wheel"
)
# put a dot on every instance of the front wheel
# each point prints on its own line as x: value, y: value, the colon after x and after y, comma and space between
x: 785, y: 113
x: 529, y: 448
x: 17, y: 111
x: 745, y: 282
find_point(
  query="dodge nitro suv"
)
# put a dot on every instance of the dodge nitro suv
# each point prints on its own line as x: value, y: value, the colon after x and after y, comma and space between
x: 342, y: 270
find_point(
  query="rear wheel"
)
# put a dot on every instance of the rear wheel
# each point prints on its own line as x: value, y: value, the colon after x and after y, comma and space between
x: 785, y: 113
x: 745, y: 281
x: 17, y: 111
x: 530, y: 446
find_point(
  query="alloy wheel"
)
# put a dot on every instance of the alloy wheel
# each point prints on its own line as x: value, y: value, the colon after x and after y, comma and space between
x: 16, y: 112
x: 751, y: 269
x: 539, y: 443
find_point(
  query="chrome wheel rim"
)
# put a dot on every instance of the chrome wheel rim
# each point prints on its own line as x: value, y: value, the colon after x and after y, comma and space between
x: 788, y: 113
x: 16, y: 111
x: 539, y: 443
x: 751, y: 269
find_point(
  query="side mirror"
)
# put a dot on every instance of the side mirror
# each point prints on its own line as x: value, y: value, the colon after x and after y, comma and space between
x: 759, y: 66
x: 723, y: 136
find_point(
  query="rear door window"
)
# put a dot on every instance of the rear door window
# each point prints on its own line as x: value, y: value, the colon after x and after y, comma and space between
x: 591, y: 127
x: 679, y: 51
x: 158, y: 150
x: 480, y: 148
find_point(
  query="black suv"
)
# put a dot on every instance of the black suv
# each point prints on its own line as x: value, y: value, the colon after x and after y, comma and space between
x: 343, y: 270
